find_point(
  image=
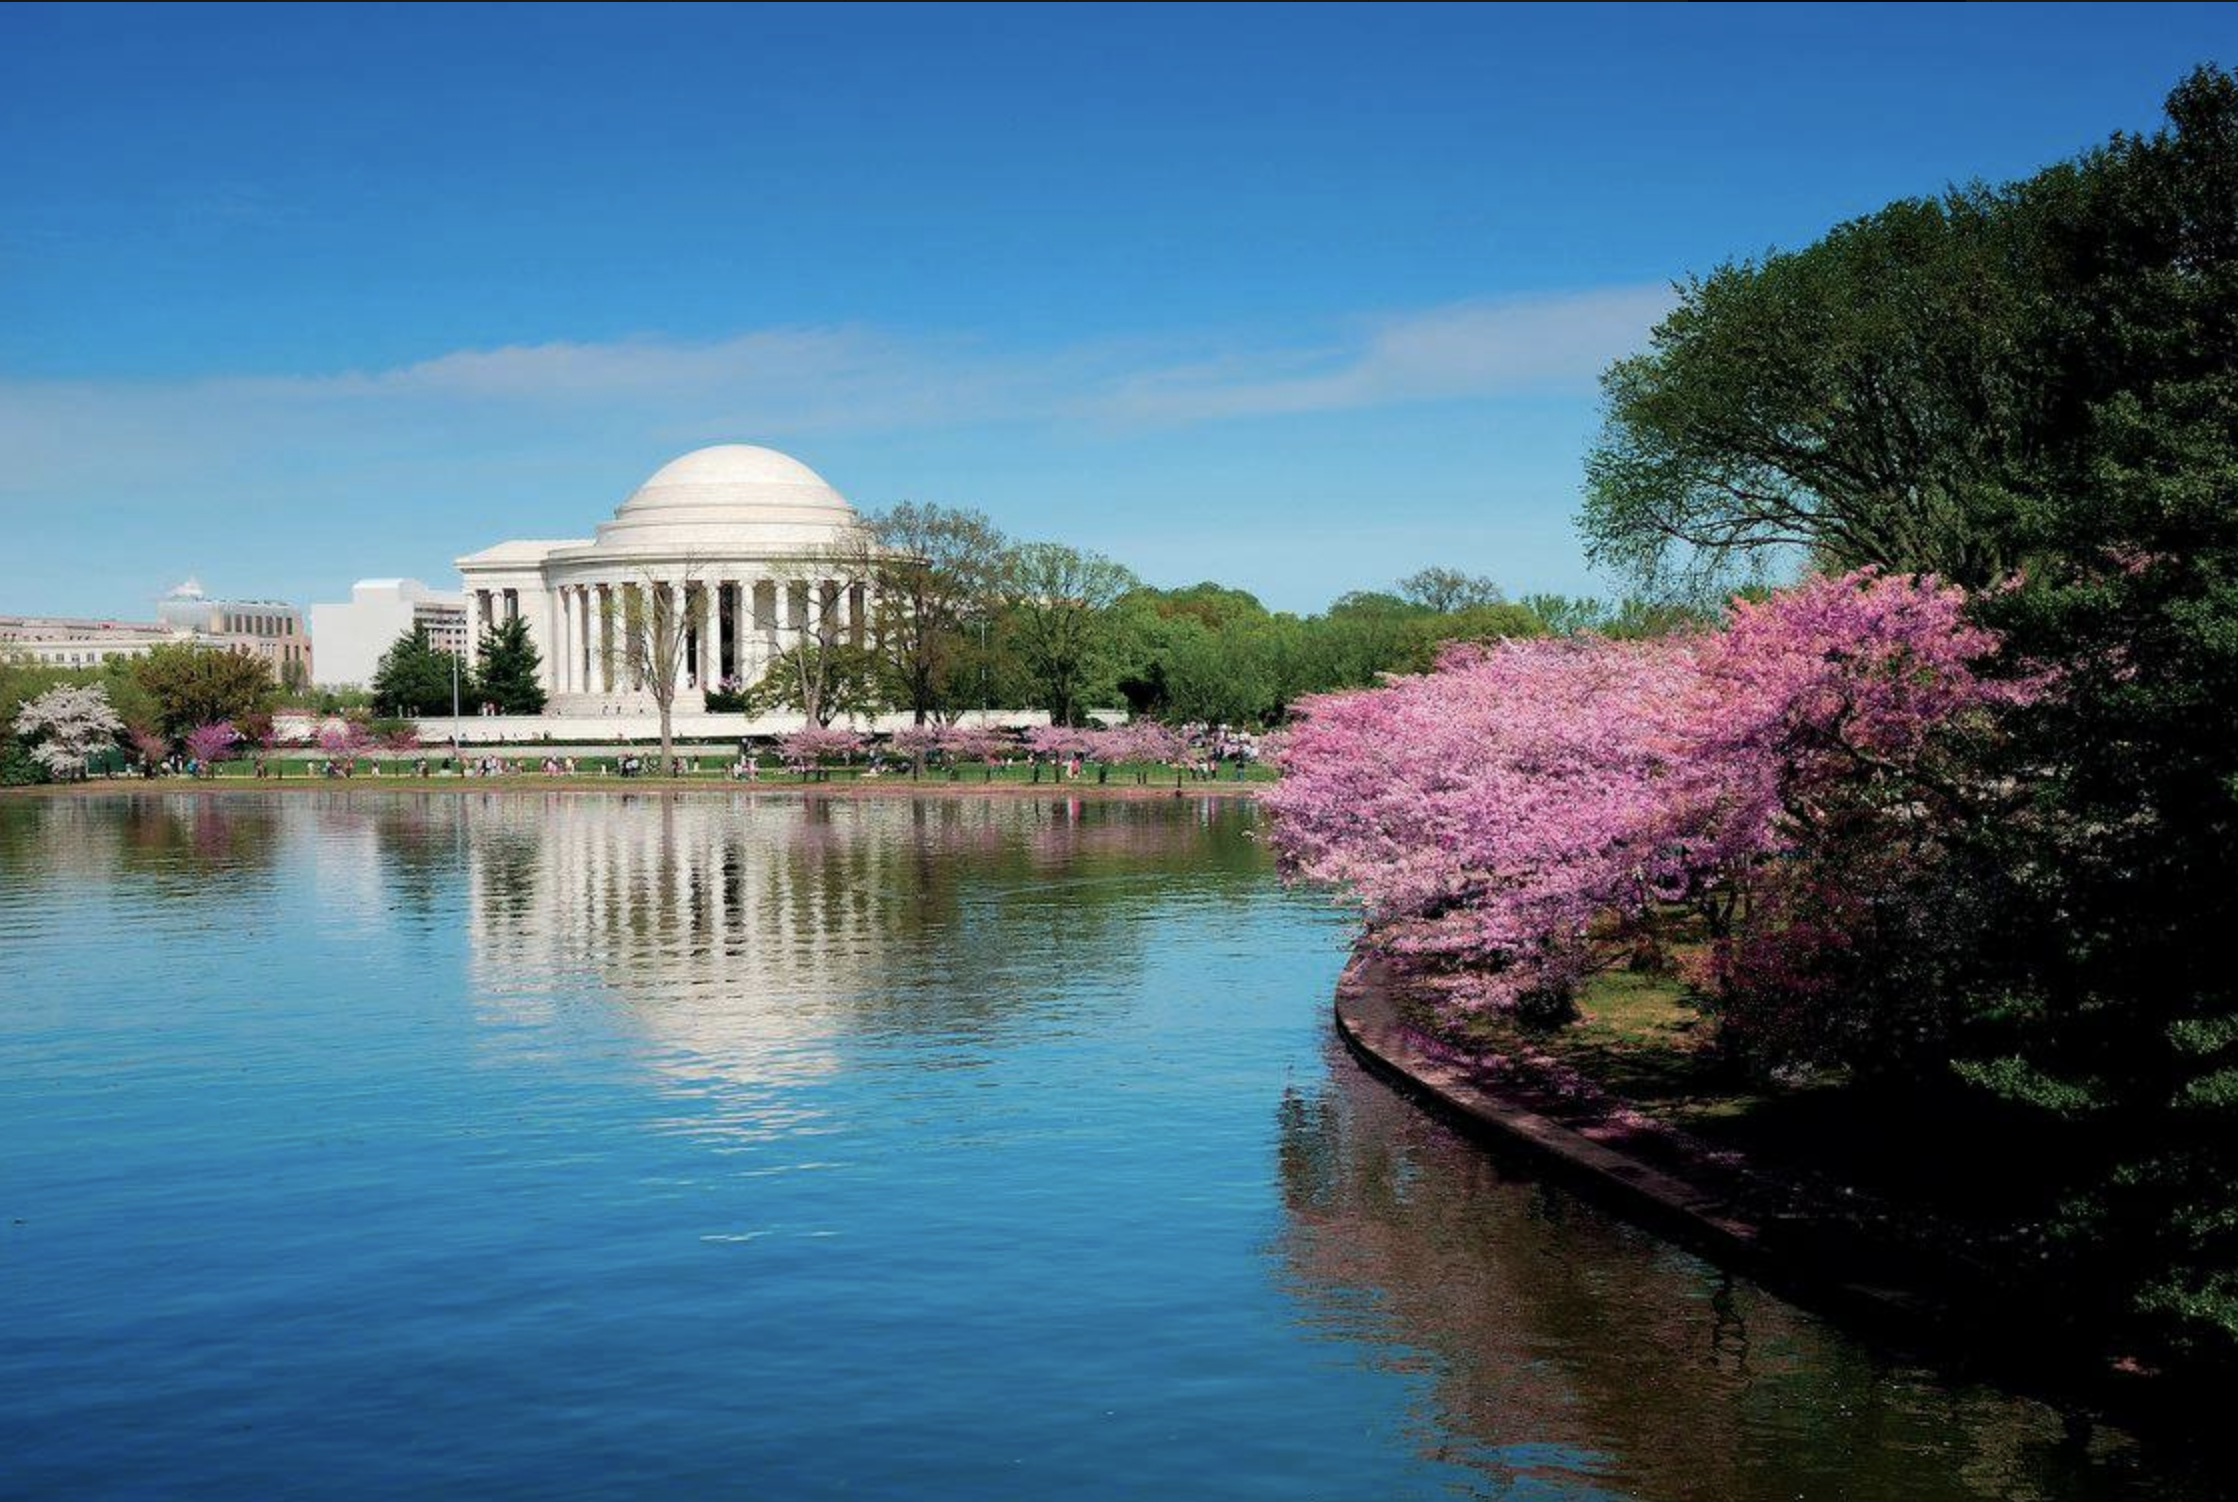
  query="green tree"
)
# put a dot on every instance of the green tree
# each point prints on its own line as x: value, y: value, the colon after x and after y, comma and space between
x: 1361, y: 635
x: 1867, y: 399
x: 1448, y: 590
x: 414, y: 678
x: 2117, y: 1005
x: 1427, y: 636
x: 1630, y: 618
x: 189, y: 685
x: 934, y: 571
x: 1059, y: 619
x: 2040, y: 377
x: 507, y: 669
x: 822, y: 681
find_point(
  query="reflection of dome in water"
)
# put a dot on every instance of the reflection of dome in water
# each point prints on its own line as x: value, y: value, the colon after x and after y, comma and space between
x: 724, y: 929
x: 736, y: 938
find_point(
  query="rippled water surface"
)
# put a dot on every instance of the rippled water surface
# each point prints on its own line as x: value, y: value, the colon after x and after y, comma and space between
x: 496, y: 1146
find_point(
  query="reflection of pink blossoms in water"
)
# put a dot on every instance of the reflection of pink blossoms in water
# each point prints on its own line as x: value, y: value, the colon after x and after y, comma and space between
x: 1501, y: 809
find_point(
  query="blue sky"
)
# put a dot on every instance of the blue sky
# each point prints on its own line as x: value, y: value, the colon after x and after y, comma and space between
x: 1298, y: 299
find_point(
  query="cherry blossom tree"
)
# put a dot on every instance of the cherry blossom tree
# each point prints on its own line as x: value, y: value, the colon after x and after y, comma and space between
x: 344, y: 740
x: 1138, y: 741
x: 1058, y: 742
x: 919, y: 742
x: 805, y: 750
x: 151, y: 747
x: 1144, y: 742
x: 971, y: 743
x: 1527, y: 809
x: 206, y: 743
x: 70, y: 723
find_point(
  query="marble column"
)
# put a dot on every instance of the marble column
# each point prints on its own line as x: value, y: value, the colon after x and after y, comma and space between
x: 555, y: 641
x: 563, y: 611
x: 572, y: 644
x: 629, y: 634
x: 571, y: 636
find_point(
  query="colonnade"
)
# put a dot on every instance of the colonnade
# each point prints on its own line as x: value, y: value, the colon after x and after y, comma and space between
x: 604, y: 637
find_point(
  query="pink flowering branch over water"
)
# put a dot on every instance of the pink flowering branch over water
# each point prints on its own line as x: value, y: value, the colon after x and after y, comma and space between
x: 1525, y: 807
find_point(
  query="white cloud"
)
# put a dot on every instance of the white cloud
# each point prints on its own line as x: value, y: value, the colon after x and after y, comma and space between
x: 1489, y: 348
x: 65, y: 440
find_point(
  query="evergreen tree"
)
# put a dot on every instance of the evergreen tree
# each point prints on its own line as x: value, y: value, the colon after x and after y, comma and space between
x: 414, y: 678
x: 506, y: 670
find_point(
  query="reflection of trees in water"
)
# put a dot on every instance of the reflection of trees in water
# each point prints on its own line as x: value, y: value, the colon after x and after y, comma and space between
x: 214, y: 847
x: 1546, y: 1324
x: 169, y: 845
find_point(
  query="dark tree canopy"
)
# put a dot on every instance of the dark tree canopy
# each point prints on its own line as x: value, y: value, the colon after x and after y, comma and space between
x: 189, y: 686
x: 2031, y: 387
x: 506, y: 669
x: 1447, y: 590
x: 1057, y: 617
x: 415, y: 679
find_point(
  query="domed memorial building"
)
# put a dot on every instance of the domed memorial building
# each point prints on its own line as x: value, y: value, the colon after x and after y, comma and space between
x: 754, y: 543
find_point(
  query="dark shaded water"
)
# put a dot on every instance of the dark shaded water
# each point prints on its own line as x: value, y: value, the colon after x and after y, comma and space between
x: 601, y: 1146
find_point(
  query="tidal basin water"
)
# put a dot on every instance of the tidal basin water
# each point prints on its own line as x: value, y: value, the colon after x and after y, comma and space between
x: 559, y: 1146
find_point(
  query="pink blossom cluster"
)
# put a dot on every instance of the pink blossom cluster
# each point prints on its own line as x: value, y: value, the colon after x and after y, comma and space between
x: 918, y: 742
x: 1059, y: 742
x: 1139, y: 741
x: 955, y: 743
x: 963, y: 743
x: 811, y: 745
x: 1515, y: 808
x: 345, y: 740
x: 206, y: 743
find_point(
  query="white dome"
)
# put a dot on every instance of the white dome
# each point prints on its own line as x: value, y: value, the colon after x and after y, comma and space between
x: 734, y: 497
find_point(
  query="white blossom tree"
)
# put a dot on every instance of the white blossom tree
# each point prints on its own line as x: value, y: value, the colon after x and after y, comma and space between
x: 72, y: 722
